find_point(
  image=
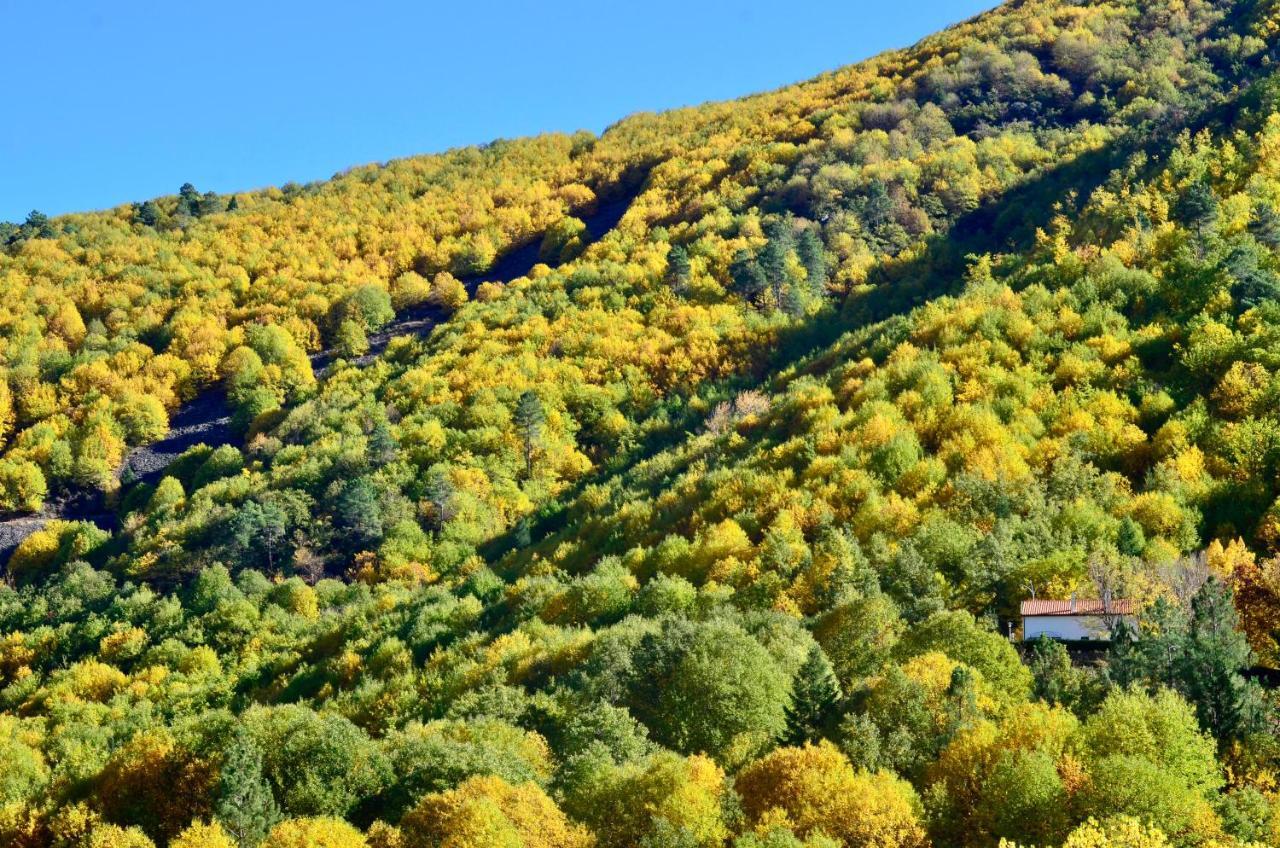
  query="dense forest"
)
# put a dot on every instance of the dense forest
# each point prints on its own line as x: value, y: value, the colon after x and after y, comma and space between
x: 708, y: 529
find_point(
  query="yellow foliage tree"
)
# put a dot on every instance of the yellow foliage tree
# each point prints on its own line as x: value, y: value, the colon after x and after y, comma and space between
x: 138, y: 784
x: 1257, y: 593
x: 1116, y: 832
x: 814, y: 788
x: 201, y: 835
x: 6, y: 409
x: 111, y: 836
x: 383, y: 835
x: 488, y: 812
x: 318, y: 832
x: 37, y: 551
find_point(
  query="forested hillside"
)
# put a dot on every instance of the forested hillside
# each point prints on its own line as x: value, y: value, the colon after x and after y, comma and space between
x: 675, y: 487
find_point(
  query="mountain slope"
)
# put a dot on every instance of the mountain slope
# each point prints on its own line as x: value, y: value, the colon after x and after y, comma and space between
x: 695, y: 532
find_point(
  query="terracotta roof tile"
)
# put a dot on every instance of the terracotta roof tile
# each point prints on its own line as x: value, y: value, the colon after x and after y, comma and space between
x: 1083, y: 606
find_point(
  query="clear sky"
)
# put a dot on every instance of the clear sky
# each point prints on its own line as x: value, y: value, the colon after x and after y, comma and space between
x: 119, y: 100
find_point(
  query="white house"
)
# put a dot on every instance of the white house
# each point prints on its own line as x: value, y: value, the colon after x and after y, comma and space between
x: 1075, y: 620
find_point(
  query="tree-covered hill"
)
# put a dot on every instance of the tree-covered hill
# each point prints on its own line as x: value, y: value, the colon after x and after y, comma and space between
x: 708, y: 528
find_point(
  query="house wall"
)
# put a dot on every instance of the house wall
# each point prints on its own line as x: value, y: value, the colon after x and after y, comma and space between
x: 1065, y: 627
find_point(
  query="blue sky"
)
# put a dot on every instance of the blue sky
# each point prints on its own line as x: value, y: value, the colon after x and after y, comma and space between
x: 110, y: 102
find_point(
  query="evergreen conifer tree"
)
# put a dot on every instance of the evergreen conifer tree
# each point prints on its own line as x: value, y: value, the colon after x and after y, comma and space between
x: 678, y: 269
x: 243, y: 803
x: 529, y: 418
x: 814, y: 695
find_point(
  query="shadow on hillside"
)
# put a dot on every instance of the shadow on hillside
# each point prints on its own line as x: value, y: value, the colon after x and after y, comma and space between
x: 1005, y: 224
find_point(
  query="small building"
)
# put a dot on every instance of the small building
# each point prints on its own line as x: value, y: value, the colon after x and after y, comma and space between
x: 1083, y: 620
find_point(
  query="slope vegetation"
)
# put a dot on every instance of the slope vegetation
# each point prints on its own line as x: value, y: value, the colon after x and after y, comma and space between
x: 691, y: 496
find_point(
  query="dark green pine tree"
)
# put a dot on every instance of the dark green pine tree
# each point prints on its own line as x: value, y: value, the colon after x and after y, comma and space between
x: 440, y: 492
x: 256, y: 534
x: 38, y: 225
x: 1198, y: 206
x: 1264, y: 224
x: 877, y: 205
x: 814, y: 259
x: 1130, y: 540
x: 773, y: 259
x: 244, y: 805
x: 522, y: 533
x: 148, y: 214
x: 210, y: 204
x: 747, y: 278
x: 529, y: 418
x: 793, y: 300
x: 381, y: 446
x: 1252, y: 280
x: 357, y: 513
x: 962, y: 702
x: 1228, y: 705
x: 815, y: 692
x: 189, y: 199
x: 678, y: 269
x: 1198, y: 653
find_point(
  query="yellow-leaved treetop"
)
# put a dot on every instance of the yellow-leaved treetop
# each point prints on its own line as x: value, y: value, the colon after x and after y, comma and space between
x: 112, y: 836
x: 488, y: 812
x: 201, y: 835
x: 1117, y: 832
x: 814, y: 789
x: 317, y: 832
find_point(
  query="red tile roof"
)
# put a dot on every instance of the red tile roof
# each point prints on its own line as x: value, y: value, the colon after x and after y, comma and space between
x: 1083, y: 606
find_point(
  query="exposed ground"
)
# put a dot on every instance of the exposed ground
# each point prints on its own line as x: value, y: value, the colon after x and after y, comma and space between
x: 206, y: 419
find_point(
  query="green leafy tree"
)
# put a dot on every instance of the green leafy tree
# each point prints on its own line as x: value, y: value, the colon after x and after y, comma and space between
x: 1160, y: 729
x: 369, y: 306
x: 350, y: 339
x: 316, y: 764
x: 963, y: 639
x: 563, y: 241
x: 438, y: 756
x: 710, y: 688
x: 858, y: 636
